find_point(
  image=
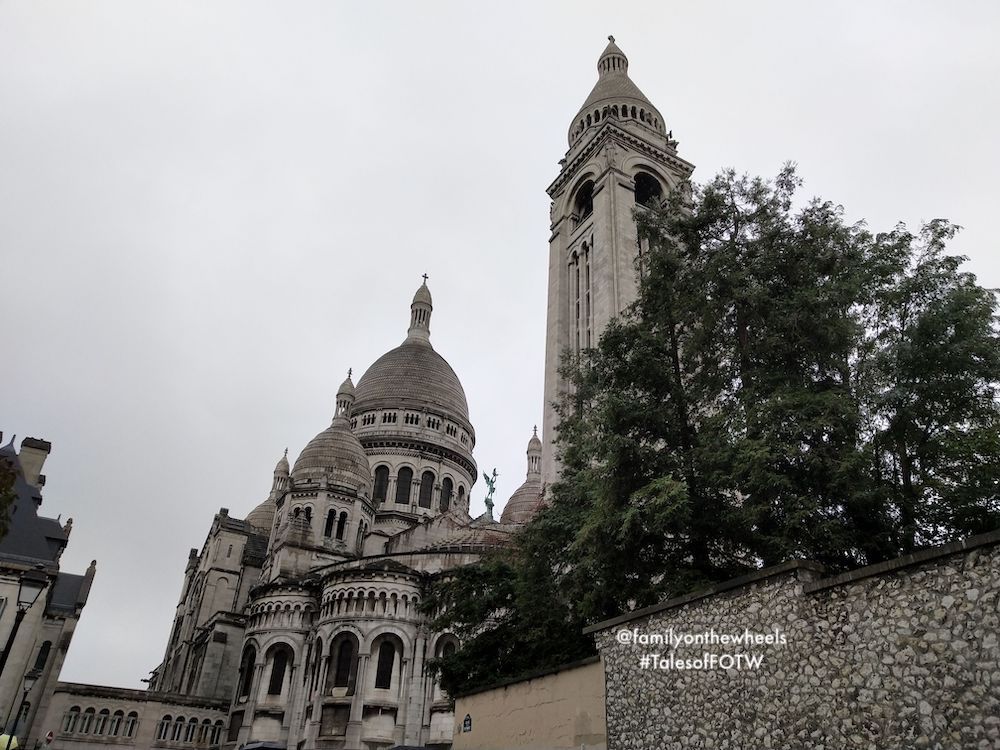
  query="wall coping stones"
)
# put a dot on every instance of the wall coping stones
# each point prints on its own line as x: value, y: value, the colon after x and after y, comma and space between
x: 988, y: 539
x: 532, y: 676
x: 806, y: 566
x: 809, y: 586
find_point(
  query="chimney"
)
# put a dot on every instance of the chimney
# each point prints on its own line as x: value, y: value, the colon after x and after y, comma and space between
x: 32, y: 457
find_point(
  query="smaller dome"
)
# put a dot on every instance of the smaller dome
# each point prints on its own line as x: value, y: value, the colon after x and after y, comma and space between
x: 422, y: 295
x: 262, y: 517
x: 534, y: 444
x: 281, y: 468
x: 523, y: 503
x: 347, y: 387
x: 336, y: 456
x: 526, y: 498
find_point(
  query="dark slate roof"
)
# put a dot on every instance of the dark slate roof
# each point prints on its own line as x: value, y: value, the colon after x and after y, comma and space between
x: 30, y: 537
x: 66, y: 592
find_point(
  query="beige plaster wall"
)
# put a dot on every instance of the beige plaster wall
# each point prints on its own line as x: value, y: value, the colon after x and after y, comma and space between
x: 563, y: 709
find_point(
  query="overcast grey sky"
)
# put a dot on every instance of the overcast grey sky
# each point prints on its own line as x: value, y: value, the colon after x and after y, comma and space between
x: 210, y: 210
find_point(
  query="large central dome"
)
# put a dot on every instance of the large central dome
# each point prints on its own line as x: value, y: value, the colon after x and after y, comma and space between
x: 412, y: 375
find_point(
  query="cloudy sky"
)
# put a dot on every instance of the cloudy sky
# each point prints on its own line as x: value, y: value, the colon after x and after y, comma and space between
x: 209, y: 211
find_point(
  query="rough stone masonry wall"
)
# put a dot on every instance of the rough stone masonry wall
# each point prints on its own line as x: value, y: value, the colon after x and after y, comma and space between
x: 900, y: 655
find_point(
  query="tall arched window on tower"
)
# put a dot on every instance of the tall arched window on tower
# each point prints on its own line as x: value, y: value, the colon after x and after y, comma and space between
x: 426, y: 489
x: 341, y: 524
x: 381, y: 484
x: 331, y: 521
x: 447, y: 487
x: 648, y: 192
x: 461, y: 496
x: 404, y: 482
x: 246, y: 671
x: 583, y: 202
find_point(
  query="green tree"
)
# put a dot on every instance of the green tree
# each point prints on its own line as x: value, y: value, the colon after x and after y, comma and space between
x: 786, y: 385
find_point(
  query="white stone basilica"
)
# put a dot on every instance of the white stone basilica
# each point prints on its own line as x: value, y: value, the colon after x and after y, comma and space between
x: 300, y: 625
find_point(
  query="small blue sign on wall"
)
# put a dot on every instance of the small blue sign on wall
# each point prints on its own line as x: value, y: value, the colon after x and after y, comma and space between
x: 467, y: 723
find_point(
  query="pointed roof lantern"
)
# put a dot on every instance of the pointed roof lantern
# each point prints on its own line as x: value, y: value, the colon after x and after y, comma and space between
x: 420, y: 314
x: 345, y: 396
x: 614, y: 95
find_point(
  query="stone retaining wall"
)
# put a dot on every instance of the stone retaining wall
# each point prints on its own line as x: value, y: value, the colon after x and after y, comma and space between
x: 900, y: 655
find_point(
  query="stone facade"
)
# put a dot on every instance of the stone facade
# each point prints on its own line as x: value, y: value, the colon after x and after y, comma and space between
x: 88, y: 716
x: 898, y: 655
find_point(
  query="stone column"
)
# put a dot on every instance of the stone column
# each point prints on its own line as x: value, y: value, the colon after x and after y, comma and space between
x: 415, y: 700
x: 354, y: 724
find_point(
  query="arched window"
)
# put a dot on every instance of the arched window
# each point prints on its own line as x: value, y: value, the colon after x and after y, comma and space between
x: 386, y: 661
x: 88, y: 721
x: 647, y: 188
x: 341, y: 525
x: 331, y: 519
x: 101, y: 724
x: 343, y: 662
x: 131, y: 722
x: 461, y: 496
x: 246, y: 670
x: 404, y: 480
x: 115, y: 725
x: 216, y: 732
x: 178, y: 730
x: 70, y: 720
x: 447, y: 487
x: 163, y: 730
x: 191, y: 729
x: 584, y: 201
x: 426, y: 489
x: 279, y: 656
x: 381, y: 484
x: 204, y: 731
x: 317, y: 664
x: 43, y: 655
x: 309, y: 515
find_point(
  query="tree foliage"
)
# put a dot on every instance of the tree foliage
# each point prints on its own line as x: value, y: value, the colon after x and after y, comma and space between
x: 787, y: 385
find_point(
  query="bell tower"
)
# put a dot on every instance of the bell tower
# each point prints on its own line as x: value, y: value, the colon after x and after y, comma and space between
x: 620, y: 156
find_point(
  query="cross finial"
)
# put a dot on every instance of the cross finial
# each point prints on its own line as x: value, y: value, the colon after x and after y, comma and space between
x: 611, y: 39
x: 425, y: 279
x: 286, y: 452
x: 535, y: 428
x: 349, y: 371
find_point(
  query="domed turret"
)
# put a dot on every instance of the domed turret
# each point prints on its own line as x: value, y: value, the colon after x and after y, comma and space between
x: 526, y: 498
x: 345, y: 397
x: 262, y: 517
x: 615, y: 96
x: 336, y: 457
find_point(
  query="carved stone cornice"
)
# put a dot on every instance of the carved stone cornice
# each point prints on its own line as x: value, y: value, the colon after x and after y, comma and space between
x: 608, y: 132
